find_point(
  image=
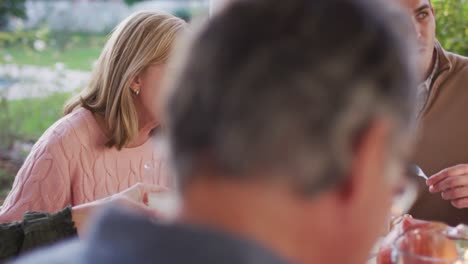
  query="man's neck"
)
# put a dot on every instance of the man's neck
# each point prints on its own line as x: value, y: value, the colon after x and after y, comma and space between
x: 245, y: 210
x: 267, y: 214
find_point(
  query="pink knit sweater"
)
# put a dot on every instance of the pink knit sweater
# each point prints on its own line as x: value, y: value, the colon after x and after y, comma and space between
x: 69, y: 165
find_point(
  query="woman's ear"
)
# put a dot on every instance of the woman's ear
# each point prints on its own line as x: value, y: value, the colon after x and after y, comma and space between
x: 135, y: 84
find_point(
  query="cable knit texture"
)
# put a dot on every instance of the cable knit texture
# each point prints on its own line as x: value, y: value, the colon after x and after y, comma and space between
x: 69, y: 165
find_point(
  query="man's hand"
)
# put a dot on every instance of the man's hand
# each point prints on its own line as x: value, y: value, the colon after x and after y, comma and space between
x: 452, y: 183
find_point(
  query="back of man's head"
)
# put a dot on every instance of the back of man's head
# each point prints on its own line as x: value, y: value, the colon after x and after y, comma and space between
x: 288, y: 86
x: 291, y: 92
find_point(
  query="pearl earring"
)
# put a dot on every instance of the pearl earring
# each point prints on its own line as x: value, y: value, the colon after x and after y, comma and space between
x: 135, y: 91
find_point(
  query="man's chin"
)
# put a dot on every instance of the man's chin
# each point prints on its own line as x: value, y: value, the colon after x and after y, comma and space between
x: 423, y: 50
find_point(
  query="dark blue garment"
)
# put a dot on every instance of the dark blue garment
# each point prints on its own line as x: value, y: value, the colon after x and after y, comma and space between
x: 121, y: 237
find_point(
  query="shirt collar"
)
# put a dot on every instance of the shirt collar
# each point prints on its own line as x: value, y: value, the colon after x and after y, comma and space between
x: 428, y: 82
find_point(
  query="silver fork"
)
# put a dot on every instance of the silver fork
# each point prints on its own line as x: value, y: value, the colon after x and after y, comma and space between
x: 417, y: 171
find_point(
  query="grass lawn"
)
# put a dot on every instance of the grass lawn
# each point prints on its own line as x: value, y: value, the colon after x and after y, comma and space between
x: 80, y: 58
x: 32, y: 116
x: 76, y: 51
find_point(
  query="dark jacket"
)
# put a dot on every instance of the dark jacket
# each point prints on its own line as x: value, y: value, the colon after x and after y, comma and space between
x: 36, y: 229
x: 120, y: 237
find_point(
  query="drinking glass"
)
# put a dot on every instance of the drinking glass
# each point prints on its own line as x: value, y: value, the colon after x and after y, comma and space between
x: 431, y: 246
x: 158, y: 173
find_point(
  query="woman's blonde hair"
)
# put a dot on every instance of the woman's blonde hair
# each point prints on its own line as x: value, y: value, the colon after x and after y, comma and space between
x: 143, y: 39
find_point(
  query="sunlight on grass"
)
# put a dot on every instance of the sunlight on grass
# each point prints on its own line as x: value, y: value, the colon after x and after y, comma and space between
x: 76, y: 51
x: 76, y: 59
x: 35, y: 115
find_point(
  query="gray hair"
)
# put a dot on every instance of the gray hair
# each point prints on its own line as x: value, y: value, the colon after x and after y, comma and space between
x: 287, y: 87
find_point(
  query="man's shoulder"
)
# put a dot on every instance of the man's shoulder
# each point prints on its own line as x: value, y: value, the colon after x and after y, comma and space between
x: 67, y: 252
x: 121, y: 237
x: 459, y: 63
x: 135, y: 239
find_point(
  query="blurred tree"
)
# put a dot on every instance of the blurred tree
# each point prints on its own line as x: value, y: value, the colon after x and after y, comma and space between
x: 452, y: 24
x: 184, y: 14
x: 131, y: 2
x: 9, y: 8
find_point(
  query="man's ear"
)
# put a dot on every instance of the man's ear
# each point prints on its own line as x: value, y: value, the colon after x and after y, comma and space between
x: 369, y: 160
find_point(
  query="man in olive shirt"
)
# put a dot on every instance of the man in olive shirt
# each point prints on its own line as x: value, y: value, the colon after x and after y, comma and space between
x: 443, y: 128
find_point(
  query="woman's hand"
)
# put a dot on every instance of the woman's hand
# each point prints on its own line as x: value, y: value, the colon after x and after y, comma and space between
x: 452, y: 183
x: 135, y: 198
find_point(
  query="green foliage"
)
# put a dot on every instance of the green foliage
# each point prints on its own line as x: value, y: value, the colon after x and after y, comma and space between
x: 7, y: 133
x: 27, y: 119
x: 9, y: 8
x: 32, y: 116
x: 184, y: 14
x: 24, y: 38
x: 81, y: 58
x: 76, y: 51
x: 6, y: 180
x: 131, y: 2
x: 452, y: 24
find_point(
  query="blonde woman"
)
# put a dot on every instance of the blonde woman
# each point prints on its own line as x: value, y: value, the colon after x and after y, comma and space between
x: 101, y: 145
